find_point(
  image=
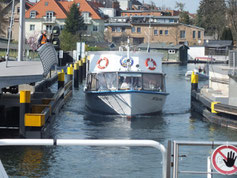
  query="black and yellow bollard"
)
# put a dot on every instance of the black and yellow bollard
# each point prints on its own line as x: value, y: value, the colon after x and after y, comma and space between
x: 84, y: 68
x: 24, y: 108
x: 80, y: 72
x: 76, y: 75
x: 69, y: 73
x: 61, y: 79
x: 194, y: 81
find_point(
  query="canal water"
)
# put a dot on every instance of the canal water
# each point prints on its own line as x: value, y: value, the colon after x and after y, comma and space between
x: 175, y: 123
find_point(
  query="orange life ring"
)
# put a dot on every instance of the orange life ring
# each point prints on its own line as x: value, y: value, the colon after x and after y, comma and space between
x: 106, y: 63
x: 153, y: 61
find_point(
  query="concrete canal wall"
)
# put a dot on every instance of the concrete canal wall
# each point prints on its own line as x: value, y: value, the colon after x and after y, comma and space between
x: 27, y: 103
x: 217, y: 102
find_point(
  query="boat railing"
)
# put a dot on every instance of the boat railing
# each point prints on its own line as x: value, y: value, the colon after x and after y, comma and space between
x: 176, y: 156
x: 102, y: 143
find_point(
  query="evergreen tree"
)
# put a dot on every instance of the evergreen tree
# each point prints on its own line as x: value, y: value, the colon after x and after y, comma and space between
x: 226, y: 34
x: 184, y: 18
x: 232, y: 17
x: 211, y: 16
x: 74, y: 21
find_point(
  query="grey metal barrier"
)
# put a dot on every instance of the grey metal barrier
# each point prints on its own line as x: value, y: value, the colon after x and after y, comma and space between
x: 48, y: 57
x: 176, y: 146
x: 103, y: 143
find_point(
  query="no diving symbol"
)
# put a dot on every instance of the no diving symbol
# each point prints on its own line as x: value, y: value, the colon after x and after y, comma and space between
x: 224, y: 159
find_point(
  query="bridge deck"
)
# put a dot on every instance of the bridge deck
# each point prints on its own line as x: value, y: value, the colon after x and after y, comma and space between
x: 22, y: 72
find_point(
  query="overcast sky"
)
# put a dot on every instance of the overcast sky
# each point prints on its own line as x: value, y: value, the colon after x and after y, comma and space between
x: 190, y: 5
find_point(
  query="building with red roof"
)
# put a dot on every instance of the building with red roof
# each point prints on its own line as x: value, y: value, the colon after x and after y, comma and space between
x: 46, y: 14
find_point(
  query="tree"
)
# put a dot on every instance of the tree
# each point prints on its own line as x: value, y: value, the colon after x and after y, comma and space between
x: 226, y: 35
x: 68, y: 41
x: 211, y: 16
x: 232, y: 16
x: 74, y: 25
x: 183, y: 16
x: 74, y: 21
x: 1, y: 18
x: 180, y: 6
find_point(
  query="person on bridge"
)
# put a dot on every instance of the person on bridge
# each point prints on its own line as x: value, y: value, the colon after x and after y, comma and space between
x: 42, y: 39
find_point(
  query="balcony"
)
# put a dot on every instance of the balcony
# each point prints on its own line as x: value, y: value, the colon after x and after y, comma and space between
x: 87, y: 20
x: 49, y: 20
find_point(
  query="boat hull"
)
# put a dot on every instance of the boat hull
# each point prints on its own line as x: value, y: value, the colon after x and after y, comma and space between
x: 127, y: 103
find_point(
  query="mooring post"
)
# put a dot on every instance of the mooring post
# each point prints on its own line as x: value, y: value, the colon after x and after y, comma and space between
x: 76, y: 75
x: 84, y: 68
x: 24, y: 108
x: 69, y: 73
x: 194, y: 81
x: 61, y: 79
x: 80, y: 72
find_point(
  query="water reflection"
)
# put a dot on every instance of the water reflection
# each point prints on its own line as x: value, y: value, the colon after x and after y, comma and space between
x: 26, y: 161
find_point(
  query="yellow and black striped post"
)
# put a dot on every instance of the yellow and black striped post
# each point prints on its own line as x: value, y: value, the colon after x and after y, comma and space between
x: 70, y: 73
x: 24, y: 108
x: 84, y: 68
x: 76, y: 75
x: 80, y: 72
x: 194, y: 81
x: 61, y: 79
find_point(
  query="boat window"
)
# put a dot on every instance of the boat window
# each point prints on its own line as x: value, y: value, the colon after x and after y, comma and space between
x: 107, y: 81
x: 91, y: 82
x: 128, y: 81
x: 153, y: 82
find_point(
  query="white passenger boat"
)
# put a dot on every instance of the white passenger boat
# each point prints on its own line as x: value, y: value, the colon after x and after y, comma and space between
x: 125, y: 83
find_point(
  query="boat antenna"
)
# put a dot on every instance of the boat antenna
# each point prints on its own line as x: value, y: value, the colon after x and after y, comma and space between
x: 128, y: 49
x: 128, y: 55
x: 148, y: 44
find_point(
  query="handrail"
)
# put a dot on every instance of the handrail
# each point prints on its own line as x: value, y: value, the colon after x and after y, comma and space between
x: 78, y: 142
x: 179, y: 143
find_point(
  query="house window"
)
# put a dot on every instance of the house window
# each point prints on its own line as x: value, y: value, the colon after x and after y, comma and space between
x: 32, y: 27
x: 49, y: 28
x: 18, y: 10
x: 133, y: 30
x: 194, y: 34
x: 138, y: 29
x: 182, y: 33
x: 113, y: 29
x: 61, y: 27
x: 32, y: 14
x: 166, y: 32
x: 161, y: 32
x: 199, y: 34
x: 49, y: 16
x: 46, y: 3
x: 86, y: 16
x: 155, y: 32
x: 95, y: 28
x: 78, y: 4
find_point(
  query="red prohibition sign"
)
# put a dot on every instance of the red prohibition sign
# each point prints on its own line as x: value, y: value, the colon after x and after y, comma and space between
x: 220, y: 159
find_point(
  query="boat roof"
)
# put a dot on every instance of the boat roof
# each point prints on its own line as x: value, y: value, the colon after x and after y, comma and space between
x: 118, y: 61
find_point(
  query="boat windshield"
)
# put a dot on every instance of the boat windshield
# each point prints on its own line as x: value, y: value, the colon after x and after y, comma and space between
x: 125, y: 81
x: 130, y: 81
x: 102, y: 81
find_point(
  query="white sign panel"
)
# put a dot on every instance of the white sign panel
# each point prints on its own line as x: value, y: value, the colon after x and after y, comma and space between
x: 80, y: 50
x: 60, y: 54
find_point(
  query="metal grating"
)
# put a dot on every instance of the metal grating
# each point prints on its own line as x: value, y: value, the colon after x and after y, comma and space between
x: 233, y: 58
x: 48, y: 57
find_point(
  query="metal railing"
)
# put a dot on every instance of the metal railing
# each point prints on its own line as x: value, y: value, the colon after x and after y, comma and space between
x: 176, y: 146
x: 103, y: 143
